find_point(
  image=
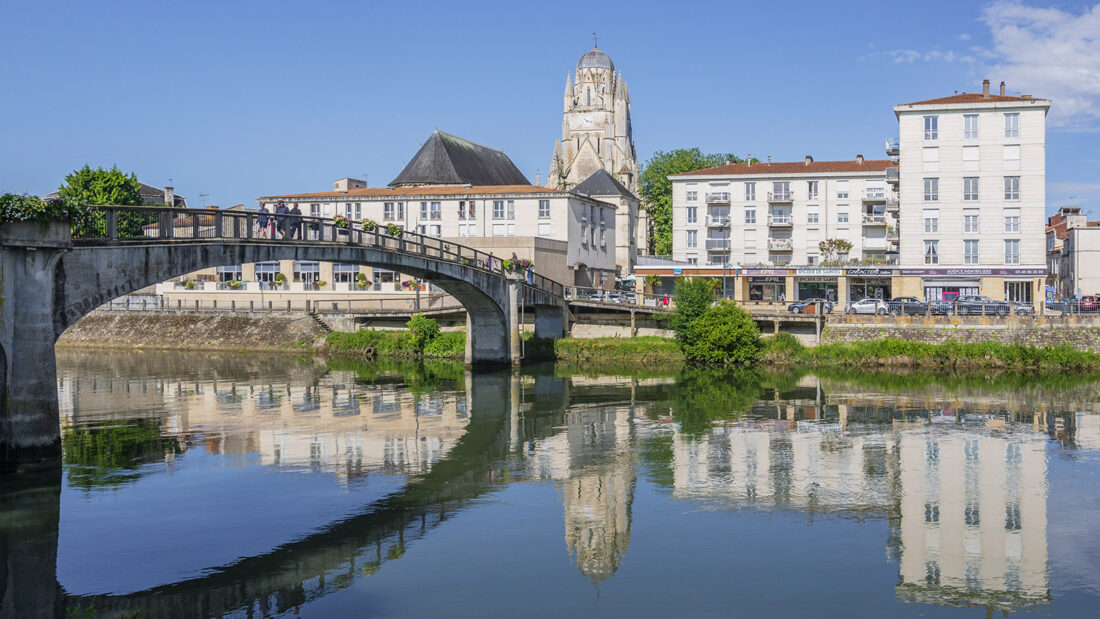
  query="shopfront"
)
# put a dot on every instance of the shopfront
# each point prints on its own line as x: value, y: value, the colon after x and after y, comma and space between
x: 767, y: 288
x: 817, y: 283
x: 998, y: 284
x: 869, y: 283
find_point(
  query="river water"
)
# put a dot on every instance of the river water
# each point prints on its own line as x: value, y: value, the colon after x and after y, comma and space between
x: 258, y: 485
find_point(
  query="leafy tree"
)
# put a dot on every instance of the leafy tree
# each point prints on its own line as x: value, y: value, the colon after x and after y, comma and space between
x: 724, y: 334
x: 657, y: 189
x: 423, y: 330
x: 832, y: 249
x: 693, y: 296
x: 106, y: 187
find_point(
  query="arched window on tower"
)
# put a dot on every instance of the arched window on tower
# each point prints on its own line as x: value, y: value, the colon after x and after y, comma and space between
x: 588, y: 96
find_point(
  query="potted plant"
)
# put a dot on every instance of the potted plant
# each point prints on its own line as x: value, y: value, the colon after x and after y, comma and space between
x: 322, y: 283
x: 234, y: 283
x: 189, y: 284
x: 341, y: 222
x: 280, y: 279
x: 361, y: 281
x: 394, y: 230
x: 370, y: 225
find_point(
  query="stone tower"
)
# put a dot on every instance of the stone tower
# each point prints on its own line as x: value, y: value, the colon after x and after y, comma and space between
x: 595, y: 127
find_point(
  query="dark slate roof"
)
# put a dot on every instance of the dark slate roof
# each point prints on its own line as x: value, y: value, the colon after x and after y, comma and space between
x: 155, y: 195
x: 450, y: 160
x: 603, y: 184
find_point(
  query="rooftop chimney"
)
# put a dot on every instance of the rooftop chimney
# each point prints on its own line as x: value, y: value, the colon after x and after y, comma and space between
x: 1002, y: 89
x: 859, y: 159
x: 170, y: 196
x: 769, y: 159
x: 985, y: 89
x: 809, y: 159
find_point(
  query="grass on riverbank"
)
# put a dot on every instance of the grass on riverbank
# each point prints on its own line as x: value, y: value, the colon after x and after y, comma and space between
x: 445, y: 345
x: 785, y: 349
x: 648, y: 350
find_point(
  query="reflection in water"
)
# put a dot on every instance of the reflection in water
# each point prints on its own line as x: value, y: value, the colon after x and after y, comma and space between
x: 953, y: 473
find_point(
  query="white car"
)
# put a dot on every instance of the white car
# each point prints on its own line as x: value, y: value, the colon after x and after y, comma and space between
x: 869, y: 306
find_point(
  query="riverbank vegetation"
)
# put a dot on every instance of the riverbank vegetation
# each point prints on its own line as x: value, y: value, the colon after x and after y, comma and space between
x: 423, y: 338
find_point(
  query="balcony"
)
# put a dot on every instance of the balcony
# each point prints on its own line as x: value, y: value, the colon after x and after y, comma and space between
x: 718, y: 221
x: 892, y: 147
x: 874, y: 196
x: 783, y: 197
x: 718, y: 244
x: 779, y: 221
x: 874, y: 220
x: 875, y: 244
x: 721, y: 197
x: 892, y: 204
x: 780, y: 244
x: 893, y: 175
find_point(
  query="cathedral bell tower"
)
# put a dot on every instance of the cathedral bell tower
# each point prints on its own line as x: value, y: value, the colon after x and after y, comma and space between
x: 595, y: 128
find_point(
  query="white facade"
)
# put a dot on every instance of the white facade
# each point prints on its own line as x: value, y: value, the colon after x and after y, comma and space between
x: 973, y: 194
x: 778, y: 213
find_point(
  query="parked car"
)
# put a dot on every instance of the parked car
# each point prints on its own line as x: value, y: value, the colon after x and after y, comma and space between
x: 940, y: 308
x: 799, y: 307
x: 1021, y: 308
x: 910, y: 306
x: 869, y: 306
x: 979, y: 304
x: 1087, y: 303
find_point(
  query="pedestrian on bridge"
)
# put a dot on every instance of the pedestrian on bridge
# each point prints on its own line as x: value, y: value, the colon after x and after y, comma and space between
x: 280, y: 218
x: 294, y: 223
x: 263, y: 223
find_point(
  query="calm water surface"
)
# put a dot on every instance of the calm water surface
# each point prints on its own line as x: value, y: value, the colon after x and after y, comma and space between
x: 253, y: 485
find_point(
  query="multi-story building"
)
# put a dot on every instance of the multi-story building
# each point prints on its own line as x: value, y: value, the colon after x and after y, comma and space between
x: 972, y: 188
x: 1062, y: 277
x: 755, y: 217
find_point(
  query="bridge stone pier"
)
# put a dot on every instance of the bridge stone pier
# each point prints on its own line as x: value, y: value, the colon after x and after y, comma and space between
x: 48, y: 281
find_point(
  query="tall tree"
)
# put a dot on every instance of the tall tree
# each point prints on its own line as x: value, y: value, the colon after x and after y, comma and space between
x: 99, y: 186
x: 657, y: 189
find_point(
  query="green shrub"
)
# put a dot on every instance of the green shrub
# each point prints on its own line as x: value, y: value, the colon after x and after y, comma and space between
x: 724, y: 334
x: 693, y: 296
x: 423, y: 331
x: 447, y: 344
x: 783, y: 344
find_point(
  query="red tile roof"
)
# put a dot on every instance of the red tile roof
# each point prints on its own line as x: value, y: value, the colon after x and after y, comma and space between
x: 971, y: 97
x: 795, y: 167
x: 384, y: 192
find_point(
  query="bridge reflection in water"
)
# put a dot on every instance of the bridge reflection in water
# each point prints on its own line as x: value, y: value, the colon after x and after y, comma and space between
x: 961, y: 483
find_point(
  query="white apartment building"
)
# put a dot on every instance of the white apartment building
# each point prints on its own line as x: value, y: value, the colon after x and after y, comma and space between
x: 972, y: 187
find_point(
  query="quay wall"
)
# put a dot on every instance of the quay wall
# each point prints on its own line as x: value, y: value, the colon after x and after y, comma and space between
x: 1081, y: 333
x: 168, y: 330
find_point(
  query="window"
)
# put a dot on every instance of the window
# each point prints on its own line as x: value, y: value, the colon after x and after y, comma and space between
x: 811, y: 189
x: 393, y: 211
x: 692, y: 214
x: 511, y: 209
x: 970, y: 188
x: 781, y: 190
x: 750, y: 215
x: 265, y: 271
x: 931, y: 189
x: 462, y: 209
x: 307, y: 272
x: 1012, y: 188
x: 970, y: 221
x: 504, y: 229
x: 344, y: 273
x: 811, y: 260
x: 750, y: 238
x: 970, y: 158
x: 498, y: 209
x: 970, y: 126
x: 1012, y: 125
x: 750, y: 192
x: 931, y: 220
x: 811, y: 215
x: 544, y: 209
x: 970, y: 252
x: 693, y: 261
x: 1018, y: 291
x: 1012, y: 220
x: 1012, y: 251
x: 603, y: 241
x: 692, y: 195
x: 473, y: 210
x: 931, y: 252
x: 423, y: 210
x: 437, y: 211
x: 842, y: 190
x: 842, y: 217
x: 692, y: 239
x: 314, y: 210
x: 931, y: 127
x: 353, y: 212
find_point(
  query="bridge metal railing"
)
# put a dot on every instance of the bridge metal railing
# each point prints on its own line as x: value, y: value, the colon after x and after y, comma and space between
x: 618, y: 297
x: 117, y: 224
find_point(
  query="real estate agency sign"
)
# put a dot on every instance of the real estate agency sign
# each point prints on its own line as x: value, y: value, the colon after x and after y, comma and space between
x: 975, y: 272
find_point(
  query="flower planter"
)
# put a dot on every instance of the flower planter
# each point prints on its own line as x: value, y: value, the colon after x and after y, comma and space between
x: 30, y: 234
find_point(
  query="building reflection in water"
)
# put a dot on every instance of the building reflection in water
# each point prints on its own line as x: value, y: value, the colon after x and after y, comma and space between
x: 964, y: 492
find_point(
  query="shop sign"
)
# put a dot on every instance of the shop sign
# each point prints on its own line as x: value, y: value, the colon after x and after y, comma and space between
x: 974, y: 272
x: 766, y: 271
x: 767, y: 280
x: 821, y: 272
x: 876, y: 281
x: 817, y: 280
x: 870, y: 272
x: 677, y: 271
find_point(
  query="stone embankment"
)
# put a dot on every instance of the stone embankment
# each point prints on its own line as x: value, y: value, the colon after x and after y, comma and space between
x: 1078, y: 332
x: 168, y: 330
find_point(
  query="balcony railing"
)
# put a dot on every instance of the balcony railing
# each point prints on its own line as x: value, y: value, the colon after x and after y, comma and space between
x: 892, y: 147
x: 718, y: 243
x: 874, y: 195
x: 892, y: 234
x: 718, y: 197
x: 874, y: 220
x: 875, y: 244
x: 780, y: 244
x: 779, y: 197
x: 718, y: 221
x: 893, y: 175
x: 891, y: 204
x: 779, y: 220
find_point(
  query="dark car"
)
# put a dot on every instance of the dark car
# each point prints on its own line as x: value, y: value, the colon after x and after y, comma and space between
x: 799, y: 307
x: 909, y: 306
x: 981, y: 304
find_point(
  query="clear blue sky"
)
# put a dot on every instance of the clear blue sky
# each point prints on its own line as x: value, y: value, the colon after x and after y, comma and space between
x: 237, y: 100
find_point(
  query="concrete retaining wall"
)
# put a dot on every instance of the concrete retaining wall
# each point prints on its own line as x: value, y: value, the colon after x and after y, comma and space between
x: 1034, y: 333
x: 193, y: 332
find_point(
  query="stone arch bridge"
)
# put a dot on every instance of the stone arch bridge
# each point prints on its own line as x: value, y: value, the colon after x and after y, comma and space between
x: 48, y: 280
